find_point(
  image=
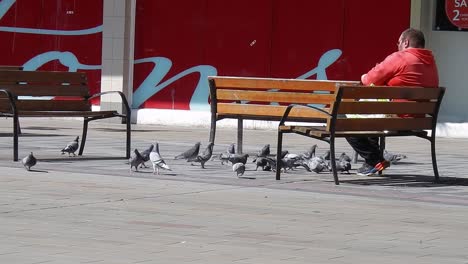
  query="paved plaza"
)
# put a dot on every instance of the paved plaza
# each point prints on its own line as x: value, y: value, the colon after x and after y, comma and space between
x: 92, y: 209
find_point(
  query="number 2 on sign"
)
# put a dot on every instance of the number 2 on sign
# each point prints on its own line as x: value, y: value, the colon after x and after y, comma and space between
x: 456, y: 17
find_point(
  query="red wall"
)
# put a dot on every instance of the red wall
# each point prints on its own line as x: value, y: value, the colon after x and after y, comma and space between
x: 262, y: 38
x: 59, y: 17
x: 178, y: 42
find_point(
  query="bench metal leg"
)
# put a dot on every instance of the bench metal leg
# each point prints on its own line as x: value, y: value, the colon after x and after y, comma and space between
x: 333, y: 160
x: 240, y: 134
x: 279, y: 147
x: 15, y: 138
x: 434, y: 160
x: 381, y: 148
x: 129, y: 131
x: 83, y: 136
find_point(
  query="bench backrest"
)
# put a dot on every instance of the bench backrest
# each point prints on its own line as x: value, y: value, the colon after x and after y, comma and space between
x: 68, y: 89
x: 267, y: 98
x: 397, y: 108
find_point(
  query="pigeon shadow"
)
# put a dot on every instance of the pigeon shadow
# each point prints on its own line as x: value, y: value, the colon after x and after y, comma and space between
x: 44, y: 171
x: 108, y: 129
x: 42, y: 128
x: 408, y: 180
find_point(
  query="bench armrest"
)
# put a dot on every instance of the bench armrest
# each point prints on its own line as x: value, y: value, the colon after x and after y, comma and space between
x: 11, y: 98
x: 290, y: 107
x: 124, y: 99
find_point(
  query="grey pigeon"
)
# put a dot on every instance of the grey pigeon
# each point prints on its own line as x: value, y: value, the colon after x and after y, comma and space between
x: 29, y: 161
x: 239, y: 168
x: 265, y: 151
x: 310, y: 152
x: 343, y: 163
x: 146, y: 155
x: 135, y: 160
x: 271, y: 164
x: 236, y: 158
x: 316, y: 164
x: 393, y: 158
x: 345, y: 157
x: 231, y: 149
x: 191, y: 153
x: 224, y: 156
x: 284, y: 153
x: 206, y: 155
x: 157, y: 160
x: 290, y: 161
x: 260, y: 162
x: 326, y: 155
x: 71, y: 147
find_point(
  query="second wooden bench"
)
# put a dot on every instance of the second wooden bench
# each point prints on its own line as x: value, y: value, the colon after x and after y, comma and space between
x: 248, y: 98
x: 53, y: 94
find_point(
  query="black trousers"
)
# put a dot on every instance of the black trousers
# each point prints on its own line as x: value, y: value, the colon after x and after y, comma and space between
x: 367, y: 147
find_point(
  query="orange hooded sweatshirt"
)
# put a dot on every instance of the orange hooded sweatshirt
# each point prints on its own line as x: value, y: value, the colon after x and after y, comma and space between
x: 409, y: 67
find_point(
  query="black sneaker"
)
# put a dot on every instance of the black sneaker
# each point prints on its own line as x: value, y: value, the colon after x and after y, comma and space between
x: 365, y: 170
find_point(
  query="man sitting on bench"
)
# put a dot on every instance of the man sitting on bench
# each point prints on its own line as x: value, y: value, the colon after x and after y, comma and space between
x: 411, y: 65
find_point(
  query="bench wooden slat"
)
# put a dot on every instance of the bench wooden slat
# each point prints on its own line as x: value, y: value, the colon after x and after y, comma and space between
x: 46, y: 77
x: 380, y: 124
x: 271, y: 112
x: 387, y: 107
x: 47, y: 105
x: 321, y: 132
x: 226, y: 82
x: 46, y: 90
x: 373, y: 92
x: 283, y: 97
x: 67, y: 113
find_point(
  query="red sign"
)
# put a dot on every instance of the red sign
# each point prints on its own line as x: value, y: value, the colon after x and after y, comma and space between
x: 457, y: 12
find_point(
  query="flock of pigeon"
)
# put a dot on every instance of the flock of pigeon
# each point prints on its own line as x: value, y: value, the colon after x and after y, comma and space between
x: 263, y: 159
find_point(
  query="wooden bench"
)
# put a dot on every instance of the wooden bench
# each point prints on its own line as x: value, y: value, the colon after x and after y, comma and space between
x: 422, y: 104
x: 52, y: 94
x: 266, y: 99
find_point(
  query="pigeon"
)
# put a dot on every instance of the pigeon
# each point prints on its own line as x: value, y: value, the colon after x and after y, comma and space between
x: 71, y: 147
x: 191, y: 153
x: 345, y: 157
x: 290, y: 161
x: 206, y: 155
x: 224, y: 156
x: 231, y: 149
x: 326, y: 155
x: 146, y: 155
x: 236, y: 158
x: 316, y: 164
x: 265, y: 151
x: 239, y: 168
x: 310, y: 152
x: 135, y: 160
x: 260, y: 162
x: 284, y: 153
x: 29, y: 161
x: 393, y: 158
x: 157, y: 160
x: 344, y: 163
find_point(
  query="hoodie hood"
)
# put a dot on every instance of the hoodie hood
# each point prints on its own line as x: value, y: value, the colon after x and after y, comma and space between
x: 424, y: 55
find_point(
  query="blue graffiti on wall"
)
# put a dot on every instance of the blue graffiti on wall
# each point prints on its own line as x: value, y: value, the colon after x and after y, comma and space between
x: 152, y: 83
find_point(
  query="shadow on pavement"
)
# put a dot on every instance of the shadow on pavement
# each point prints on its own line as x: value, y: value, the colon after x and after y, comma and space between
x: 409, y: 181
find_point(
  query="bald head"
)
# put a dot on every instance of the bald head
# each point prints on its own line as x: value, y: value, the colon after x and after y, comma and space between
x: 414, y: 37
